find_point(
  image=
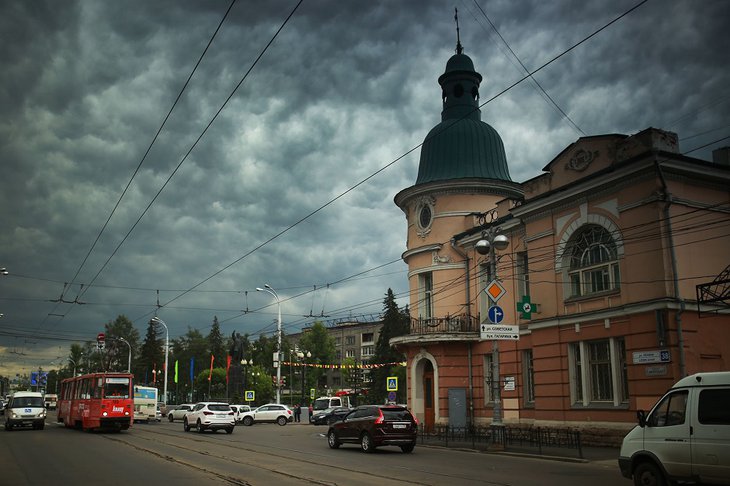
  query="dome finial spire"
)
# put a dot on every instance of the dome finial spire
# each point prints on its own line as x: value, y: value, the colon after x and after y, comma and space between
x: 459, y: 49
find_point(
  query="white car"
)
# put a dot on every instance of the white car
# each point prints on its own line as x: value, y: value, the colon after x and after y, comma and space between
x: 25, y: 408
x: 210, y: 416
x: 238, y: 411
x: 178, y: 412
x: 271, y: 412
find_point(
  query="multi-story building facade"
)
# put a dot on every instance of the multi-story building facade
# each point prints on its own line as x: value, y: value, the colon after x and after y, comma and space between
x: 354, y: 343
x: 598, y: 259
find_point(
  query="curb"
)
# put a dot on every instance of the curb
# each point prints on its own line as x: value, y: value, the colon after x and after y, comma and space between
x: 576, y: 460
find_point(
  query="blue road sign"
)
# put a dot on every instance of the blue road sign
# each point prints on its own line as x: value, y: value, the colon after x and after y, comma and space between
x: 391, y: 396
x: 495, y: 314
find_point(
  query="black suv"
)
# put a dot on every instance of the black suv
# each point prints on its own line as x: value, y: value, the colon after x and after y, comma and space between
x: 372, y: 426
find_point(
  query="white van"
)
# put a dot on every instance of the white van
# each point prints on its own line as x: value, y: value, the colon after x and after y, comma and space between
x: 25, y: 408
x: 685, y: 437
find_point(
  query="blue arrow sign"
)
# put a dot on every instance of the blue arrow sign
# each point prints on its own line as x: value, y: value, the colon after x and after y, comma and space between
x: 495, y: 314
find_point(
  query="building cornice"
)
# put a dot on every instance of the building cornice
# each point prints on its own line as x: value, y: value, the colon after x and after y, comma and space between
x: 495, y: 187
x: 621, y: 311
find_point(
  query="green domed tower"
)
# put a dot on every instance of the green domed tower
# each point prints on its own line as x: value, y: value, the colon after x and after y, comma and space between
x: 462, y: 145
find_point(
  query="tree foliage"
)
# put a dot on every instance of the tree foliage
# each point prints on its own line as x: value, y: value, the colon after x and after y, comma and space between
x: 396, y: 322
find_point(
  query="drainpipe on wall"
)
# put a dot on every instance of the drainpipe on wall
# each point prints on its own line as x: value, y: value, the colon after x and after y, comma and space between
x: 667, y: 197
x: 468, y: 308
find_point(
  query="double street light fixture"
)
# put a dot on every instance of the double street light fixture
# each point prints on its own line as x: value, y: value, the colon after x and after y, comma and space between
x: 157, y: 320
x: 302, y: 355
x: 493, y: 240
x: 277, y: 361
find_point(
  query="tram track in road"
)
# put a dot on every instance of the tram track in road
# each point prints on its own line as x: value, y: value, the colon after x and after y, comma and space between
x: 287, y: 463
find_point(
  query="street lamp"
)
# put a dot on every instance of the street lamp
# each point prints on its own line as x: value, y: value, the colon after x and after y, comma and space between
x: 267, y: 288
x: 129, y: 359
x: 167, y: 348
x: 301, y: 355
x: 245, y: 363
x: 74, y: 362
x: 492, y: 240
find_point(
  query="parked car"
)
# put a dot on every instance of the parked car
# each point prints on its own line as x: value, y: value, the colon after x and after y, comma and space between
x: 329, y: 416
x: 271, y: 412
x: 178, y: 412
x: 25, y: 409
x: 239, y: 410
x: 210, y: 416
x: 685, y: 437
x: 373, y: 426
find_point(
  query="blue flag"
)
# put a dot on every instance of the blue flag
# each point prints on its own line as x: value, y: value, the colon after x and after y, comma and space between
x: 192, y: 367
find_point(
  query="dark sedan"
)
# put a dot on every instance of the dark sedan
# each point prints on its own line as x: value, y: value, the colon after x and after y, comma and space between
x: 329, y: 416
x: 373, y: 426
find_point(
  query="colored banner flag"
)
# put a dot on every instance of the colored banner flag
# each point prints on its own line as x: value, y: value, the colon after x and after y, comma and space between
x: 228, y: 366
x: 176, y: 371
x: 192, y: 370
x: 210, y: 375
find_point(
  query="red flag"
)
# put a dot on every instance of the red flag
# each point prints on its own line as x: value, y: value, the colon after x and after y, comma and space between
x: 210, y: 376
x: 228, y: 366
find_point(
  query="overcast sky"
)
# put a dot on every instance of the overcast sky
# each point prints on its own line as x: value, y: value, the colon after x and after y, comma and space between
x: 345, y: 90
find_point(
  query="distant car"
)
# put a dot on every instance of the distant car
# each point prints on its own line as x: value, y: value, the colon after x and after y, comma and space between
x: 373, y: 426
x: 239, y: 410
x: 210, y: 416
x: 24, y: 409
x: 329, y: 416
x: 158, y: 413
x: 271, y: 412
x: 178, y: 412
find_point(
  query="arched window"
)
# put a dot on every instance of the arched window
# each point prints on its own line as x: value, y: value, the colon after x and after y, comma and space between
x: 593, y: 262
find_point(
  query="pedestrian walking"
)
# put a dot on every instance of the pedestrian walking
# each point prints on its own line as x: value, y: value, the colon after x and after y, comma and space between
x: 298, y: 413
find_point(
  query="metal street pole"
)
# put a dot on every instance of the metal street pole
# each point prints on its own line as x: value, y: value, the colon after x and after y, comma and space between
x: 167, y: 348
x: 129, y: 358
x: 491, y: 240
x: 267, y: 288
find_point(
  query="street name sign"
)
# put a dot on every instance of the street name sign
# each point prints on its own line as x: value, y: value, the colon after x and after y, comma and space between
x: 492, y: 332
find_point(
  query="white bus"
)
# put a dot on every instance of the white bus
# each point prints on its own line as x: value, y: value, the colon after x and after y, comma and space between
x: 145, y: 403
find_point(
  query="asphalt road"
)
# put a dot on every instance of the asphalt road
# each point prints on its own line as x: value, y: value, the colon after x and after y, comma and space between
x: 262, y: 454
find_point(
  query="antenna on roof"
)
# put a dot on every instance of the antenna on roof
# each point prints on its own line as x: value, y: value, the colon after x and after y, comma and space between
x: 459, y: 49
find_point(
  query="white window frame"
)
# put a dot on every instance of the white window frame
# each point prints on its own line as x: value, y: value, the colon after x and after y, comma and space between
x: 488, y: 379
x: 582, y: 386
x: 425, y: 297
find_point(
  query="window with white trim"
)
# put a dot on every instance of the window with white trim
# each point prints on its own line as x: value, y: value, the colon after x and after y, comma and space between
x: 489, y: 382
x: 425, y: 285
x: 529, y: 377
x: 593, y: 262
x: 598, y: 372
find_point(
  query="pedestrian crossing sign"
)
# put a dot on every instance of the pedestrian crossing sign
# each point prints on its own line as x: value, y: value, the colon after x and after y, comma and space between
x: 392, y: 384
x: 250, y: 395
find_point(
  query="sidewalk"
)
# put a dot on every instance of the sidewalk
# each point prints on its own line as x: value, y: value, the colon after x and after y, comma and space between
x: 588, y: 453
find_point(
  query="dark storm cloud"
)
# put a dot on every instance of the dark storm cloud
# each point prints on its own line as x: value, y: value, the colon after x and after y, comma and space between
x: 346, y: 89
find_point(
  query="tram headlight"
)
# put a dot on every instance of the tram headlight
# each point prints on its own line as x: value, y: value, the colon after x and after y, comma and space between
x: 104, y: 414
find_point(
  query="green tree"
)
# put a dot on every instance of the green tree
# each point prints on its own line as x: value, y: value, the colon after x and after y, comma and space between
x: 317, y: 341
x: 193, y: 345
x: 216, y: 343
x: 396, y: 322
x: 152, y: 356
x: 117, y: 352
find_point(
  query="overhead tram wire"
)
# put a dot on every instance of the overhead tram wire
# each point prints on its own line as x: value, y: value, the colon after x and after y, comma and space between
x: 363, y: 181
x: 197, y: 140
x: 537, y: 83
x: 149, y: 148
x: 399, y: 158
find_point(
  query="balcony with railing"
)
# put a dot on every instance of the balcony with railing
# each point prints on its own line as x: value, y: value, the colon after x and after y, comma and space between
x: 459, y: 327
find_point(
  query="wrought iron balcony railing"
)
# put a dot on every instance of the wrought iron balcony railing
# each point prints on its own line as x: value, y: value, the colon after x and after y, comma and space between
x: 461, y: 323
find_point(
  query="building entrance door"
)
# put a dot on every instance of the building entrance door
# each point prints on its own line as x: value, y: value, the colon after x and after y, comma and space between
x: 428, y: 396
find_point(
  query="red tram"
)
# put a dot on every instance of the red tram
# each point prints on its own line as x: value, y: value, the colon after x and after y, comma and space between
x: 97, y: 401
